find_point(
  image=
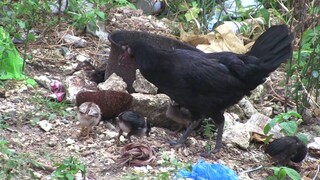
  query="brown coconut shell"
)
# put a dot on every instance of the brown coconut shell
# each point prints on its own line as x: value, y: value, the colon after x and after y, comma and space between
x: 111, y: 103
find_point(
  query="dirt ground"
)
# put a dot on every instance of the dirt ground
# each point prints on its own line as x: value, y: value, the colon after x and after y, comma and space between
x: 23, y: 107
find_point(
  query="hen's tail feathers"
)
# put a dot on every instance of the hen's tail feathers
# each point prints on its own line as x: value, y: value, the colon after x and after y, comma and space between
x: 273, y: 47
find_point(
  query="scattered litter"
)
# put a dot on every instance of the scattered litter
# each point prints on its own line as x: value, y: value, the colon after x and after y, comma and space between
x: 206, y: 171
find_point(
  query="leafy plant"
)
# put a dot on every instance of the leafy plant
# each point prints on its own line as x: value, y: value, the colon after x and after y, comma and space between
x: 208, y: 132
x: 288, y: 123
x: 14, y: 165
x: 69, y: 168
x: 49, y: 108
x: 3, y: 124
x: 280, y: 173
x: 304, y: 71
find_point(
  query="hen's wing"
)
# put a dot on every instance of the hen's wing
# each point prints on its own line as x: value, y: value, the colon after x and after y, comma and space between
x: 187, y: 76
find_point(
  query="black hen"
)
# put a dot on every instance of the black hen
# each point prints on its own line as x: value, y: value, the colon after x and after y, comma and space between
x: 207, y: 84
x: 133, y: 124
x: 287, y: 148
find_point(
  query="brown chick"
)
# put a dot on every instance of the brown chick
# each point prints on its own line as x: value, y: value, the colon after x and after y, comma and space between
x: 179, y: 115
x: 89, y: 115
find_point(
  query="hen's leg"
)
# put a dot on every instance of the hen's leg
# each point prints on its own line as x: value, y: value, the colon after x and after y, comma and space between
x: 219, y: 138
x: 129, y: 136
x: 185, y: 135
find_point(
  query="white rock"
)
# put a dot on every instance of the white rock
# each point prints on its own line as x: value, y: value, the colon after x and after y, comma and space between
x: 70, y: 141
x: 315, y: 144
x: 114, y: 82
x: 238, y: 134
x: 45, y: 125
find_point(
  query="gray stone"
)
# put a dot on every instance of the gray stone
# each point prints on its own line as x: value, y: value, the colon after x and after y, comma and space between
x: 236, y: 109
x: 268, y: 111
x: 43, y: 80
x: 75, y: 84
x: 76, y: 41
x: 247, y: 107
x: 114, y: 82
x: 153, y: 107
x: 82, y: 58
x: 141, y: 85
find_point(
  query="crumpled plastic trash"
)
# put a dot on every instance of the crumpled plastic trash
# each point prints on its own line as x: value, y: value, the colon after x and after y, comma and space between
x: 11, y: 64
x: 56, y: 89
x: 207, y: 171
x: 231, y: 8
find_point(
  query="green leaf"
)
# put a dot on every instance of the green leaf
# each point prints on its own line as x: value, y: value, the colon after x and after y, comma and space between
x: 101, y: 15
x: 290, y: 127
x: 268, y: 139
x: 294, y: 114
x: 286, y: 116
x: 303, y: 138
x: 270, y: 125
x: 266, y: 129
x: 69, y: 176
x: 293, y: 174
x: 272, y: 178
x: 265, y: 14
x: 31, y: 82
x: 22, y: 24
x: 282, y: 174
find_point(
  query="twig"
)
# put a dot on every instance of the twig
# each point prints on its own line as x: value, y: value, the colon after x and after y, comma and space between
x: 42, y: 167
x: 251, y: 170
x: 280, y: 98
x: 306, y: 92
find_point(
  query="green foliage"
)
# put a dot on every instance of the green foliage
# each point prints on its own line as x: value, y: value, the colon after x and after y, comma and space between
x: 288, y: 123
x: 46, y: 108
x: 304, y: 71
x: 281, y: 173
x: 3, y: 124
x: 13, y: 165
x: 68, y: 169
x: 208, y: 132
x: 172, y: 166
x: 81, y: 16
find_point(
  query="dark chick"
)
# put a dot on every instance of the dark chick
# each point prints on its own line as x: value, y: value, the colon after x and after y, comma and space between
x: 287, y: 148
x: 207, y: 84
x: 133, y: 124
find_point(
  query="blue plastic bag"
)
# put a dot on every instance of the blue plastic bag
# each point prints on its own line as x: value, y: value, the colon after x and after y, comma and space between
x: 206, y: 171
